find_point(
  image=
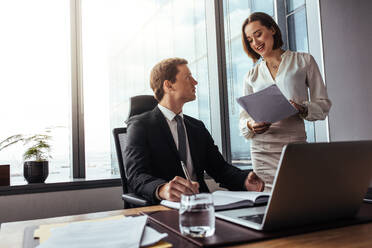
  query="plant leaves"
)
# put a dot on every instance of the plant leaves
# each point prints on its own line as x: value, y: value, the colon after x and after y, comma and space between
x: 11, y: 140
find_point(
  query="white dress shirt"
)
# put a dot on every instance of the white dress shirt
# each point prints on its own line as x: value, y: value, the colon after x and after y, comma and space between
x: 298, y: 74
x: 172, y: 123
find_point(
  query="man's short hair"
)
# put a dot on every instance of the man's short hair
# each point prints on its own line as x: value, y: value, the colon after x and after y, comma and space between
x: 164, y: 70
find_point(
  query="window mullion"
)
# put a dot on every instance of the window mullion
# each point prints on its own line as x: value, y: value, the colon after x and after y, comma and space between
x: 217, y: 76
x: 78, y: 146
x: 280, y: 16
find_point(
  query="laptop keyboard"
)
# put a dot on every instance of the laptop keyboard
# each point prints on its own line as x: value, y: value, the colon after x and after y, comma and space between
x: 257, y: 218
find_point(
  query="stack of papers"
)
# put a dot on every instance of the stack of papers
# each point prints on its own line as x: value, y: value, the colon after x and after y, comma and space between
x: 130, y: 232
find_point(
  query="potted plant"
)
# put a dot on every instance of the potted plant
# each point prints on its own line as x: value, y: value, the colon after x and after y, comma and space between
x: 36, y: 165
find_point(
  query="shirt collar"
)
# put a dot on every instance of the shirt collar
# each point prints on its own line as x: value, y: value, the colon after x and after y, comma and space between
x: 282, y: 56
x: 169, y: 114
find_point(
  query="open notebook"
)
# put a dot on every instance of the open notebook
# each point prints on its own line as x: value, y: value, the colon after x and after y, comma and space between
x: 224, y: 200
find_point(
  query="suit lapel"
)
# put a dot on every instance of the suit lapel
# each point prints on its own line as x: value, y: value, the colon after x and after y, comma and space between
x: 165, y: 130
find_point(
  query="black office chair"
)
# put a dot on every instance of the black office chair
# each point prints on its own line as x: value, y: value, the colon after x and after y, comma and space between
x: 137, y: 105
x: 140, y: 104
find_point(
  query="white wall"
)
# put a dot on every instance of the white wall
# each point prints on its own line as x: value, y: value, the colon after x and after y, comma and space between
x: 347, y: 46
x: 60, y: 203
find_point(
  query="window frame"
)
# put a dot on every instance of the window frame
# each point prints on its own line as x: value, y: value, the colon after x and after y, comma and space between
x: 77, y: 104
x: 316, y: 50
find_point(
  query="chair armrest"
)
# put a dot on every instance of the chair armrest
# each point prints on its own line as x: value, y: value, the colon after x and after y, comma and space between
x: 135, y: 199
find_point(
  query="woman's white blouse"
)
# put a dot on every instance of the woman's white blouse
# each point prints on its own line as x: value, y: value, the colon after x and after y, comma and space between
x: 297, y: 73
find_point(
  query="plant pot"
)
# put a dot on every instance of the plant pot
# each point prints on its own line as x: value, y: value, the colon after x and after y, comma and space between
x: 36, y: 171
x: 4, y: 175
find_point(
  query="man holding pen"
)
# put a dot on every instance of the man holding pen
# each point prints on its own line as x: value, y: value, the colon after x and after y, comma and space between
x: 167, y: 152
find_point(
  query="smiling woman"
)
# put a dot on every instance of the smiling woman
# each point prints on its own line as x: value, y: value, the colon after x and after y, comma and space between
x: 262, y: 35
x: 295, y: 18
x: 298, y: 78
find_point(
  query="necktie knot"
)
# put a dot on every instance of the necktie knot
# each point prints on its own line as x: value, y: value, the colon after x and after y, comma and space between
x: 178, y: 119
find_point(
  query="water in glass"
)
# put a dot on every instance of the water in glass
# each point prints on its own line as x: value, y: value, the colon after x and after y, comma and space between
x: 196, y: 215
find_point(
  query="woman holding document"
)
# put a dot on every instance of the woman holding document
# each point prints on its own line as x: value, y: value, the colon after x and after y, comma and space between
x: 295, y: 74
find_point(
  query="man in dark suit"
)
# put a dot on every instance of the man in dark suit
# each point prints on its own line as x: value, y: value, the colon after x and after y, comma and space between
x: 160, y: 139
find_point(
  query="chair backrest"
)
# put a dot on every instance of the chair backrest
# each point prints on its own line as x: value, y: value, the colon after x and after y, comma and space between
x: 140, y: 104
x: 137, y: 105
x: 120, y: 139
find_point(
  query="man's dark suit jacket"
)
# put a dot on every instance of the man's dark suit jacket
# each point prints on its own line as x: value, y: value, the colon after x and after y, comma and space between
x: 151, y: 157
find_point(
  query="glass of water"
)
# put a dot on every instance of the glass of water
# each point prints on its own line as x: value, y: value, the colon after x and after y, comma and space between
x: 196, y: 215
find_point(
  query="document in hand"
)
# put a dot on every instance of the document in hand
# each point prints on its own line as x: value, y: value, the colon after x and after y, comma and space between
x: 224, y: 200
x: 267, y: 105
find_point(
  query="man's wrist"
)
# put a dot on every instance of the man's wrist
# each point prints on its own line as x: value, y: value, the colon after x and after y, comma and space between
x: 157, y: 192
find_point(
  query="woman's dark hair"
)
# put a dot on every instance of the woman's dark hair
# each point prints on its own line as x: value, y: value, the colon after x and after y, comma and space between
x: 267, y: 21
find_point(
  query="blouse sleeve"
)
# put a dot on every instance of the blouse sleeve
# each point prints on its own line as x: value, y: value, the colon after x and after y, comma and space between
x: 244, y: 117
x: 319, y: 104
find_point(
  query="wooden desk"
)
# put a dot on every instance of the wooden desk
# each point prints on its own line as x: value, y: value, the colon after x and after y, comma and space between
x: 11, y: 233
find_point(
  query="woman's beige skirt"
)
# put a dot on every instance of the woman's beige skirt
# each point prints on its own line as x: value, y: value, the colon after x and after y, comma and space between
x: 265, y: 162
x: 266, y: 148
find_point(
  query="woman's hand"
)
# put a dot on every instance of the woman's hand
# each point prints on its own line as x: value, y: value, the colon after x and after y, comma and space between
x: 301, y: 109
x: 258, y: 127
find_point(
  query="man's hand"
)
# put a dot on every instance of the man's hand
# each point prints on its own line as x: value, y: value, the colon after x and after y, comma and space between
x: 258, y: 127
x: 254, y: 183
x: 173, y: 190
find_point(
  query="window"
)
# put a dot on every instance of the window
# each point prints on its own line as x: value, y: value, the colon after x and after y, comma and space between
x: 237, y: 65
x: 119, y: 50
x: 294, y: 4
x: 73, y: 65
x: 298, y: 41
x: 35, y: 80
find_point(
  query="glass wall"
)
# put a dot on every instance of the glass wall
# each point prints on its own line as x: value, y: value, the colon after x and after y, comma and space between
x: 35, y: 79
x: 237, y: 65
x: 298, y: 41
x: 119, y: 50
x: 120, y: 42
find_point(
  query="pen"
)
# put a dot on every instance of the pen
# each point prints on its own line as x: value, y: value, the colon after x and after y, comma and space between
x: 185, y: 171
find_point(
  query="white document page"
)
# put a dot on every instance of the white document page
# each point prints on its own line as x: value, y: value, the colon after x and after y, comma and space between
x: 267, y: 105
x: 126, y: 232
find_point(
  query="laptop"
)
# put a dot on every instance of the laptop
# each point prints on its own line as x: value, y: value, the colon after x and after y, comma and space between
x: 315, y: 182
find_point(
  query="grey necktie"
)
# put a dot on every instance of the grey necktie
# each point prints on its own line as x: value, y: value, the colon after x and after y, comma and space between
x: 181, y: 138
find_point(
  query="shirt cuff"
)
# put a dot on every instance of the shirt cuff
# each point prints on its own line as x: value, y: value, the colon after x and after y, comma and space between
x: 244, y: 130
x: 157, y: 192
x: 314, y: 112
